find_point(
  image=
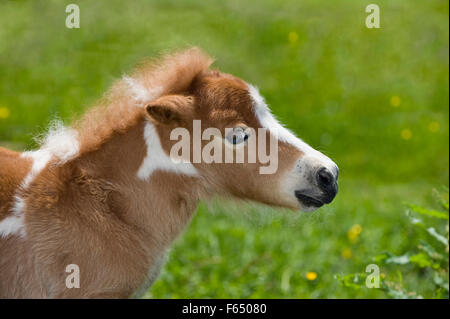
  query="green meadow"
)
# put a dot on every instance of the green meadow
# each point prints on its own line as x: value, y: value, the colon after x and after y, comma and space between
x: 374, y: 100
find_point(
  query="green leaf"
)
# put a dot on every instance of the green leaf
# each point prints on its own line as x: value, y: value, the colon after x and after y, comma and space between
x: 441, y: 198
x: 401, y: 294
x: 380, y: 258
x: 421, y: 259
x: 399, y: 260
x: 438, y: 236
x: 428, y: 212
x: 350, y: 280
x: 429, y: 250
x: 441, y: 282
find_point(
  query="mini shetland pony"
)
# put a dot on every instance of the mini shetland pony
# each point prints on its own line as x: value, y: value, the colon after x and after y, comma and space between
x: 105, y: 195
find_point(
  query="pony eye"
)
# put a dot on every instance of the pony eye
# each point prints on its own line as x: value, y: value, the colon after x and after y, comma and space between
x: 237, y: 136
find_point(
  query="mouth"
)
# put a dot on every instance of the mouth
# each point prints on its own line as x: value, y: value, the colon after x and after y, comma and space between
x: 308, y: 200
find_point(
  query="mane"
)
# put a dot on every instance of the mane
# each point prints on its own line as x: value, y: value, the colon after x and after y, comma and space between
x: 121, y: 107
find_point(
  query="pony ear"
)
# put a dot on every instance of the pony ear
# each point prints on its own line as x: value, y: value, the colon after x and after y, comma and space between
x: 170, y: 109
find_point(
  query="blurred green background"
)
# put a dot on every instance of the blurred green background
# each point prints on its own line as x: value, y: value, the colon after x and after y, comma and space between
x: 374, y: 100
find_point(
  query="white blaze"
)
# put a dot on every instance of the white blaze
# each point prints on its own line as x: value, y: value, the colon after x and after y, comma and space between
x: 268, y: 121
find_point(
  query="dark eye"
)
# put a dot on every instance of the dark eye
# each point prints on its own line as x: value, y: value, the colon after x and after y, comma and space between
x: 237, y: 136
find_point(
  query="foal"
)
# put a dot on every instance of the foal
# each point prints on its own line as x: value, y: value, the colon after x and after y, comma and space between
x: 106, y: 196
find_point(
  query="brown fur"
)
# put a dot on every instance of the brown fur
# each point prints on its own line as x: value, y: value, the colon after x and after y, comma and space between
x: 115, y: 113
x: 13, y: 170
x: 94, y: 212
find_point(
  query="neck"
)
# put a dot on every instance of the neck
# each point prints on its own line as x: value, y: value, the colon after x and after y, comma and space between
x: 147, y: 190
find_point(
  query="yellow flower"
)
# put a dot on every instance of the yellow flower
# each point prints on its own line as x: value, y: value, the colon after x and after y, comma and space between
x: 311, y: 275
x: 293, y: 37
x: 354, y: 232
x: 434, y: 127
x: 395, y: 101
x: 4, y: 112
x: 406, y: 134
x: 347, y: 253
x: 357, y: 228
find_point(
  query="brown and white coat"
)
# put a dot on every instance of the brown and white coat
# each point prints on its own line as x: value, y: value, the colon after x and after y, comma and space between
x: 105, y: 195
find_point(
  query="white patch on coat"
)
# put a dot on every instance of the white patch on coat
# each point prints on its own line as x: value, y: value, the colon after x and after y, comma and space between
x: 62, y: 142
x: 268, y: 121
x: 40, y: 159
x: 157, y: 159
x: 139, y: 92
x: 61, y: 145
x: 14, y: 224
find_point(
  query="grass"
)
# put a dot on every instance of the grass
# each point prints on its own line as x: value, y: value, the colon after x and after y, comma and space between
x: 376, y: 101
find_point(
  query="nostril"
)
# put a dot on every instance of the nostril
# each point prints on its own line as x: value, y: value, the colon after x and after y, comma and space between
x: 327, y: 183
x: 324, y: 177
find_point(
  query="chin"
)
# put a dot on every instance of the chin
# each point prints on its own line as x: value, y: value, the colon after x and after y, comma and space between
x: 308, y: 209
x: 301, y: 207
